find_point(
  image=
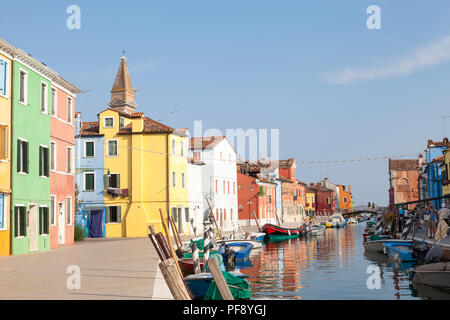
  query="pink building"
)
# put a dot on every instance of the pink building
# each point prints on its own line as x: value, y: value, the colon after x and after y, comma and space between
x: 62, y: 171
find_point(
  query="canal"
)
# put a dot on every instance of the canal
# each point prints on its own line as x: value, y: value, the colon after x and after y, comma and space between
x: 332, y: 265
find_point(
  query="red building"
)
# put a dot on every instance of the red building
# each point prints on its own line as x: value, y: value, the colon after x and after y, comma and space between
x: 256, y: 198
x: 325, y: 199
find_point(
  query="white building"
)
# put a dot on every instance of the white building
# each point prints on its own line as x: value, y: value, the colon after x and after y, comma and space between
x: 219, y: 178
x: 195, y: 195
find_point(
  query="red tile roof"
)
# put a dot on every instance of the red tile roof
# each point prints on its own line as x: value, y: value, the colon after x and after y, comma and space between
x: 205, y: 142
x: 150, y: 126
x: 443, y: 143
x: 89, y: 129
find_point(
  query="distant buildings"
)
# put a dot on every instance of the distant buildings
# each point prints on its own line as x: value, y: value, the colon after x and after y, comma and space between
x: 403, y: 178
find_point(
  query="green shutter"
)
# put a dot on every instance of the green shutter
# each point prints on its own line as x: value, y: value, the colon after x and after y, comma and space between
x: 119, y: 214
x: 118, y: 181
x: 174, y: 214
x: 19, y: 160
x: 16, y: 221
x: 107, y: 214
x: 46, y: 173
x: 25, y: 157
x: 106, y: 181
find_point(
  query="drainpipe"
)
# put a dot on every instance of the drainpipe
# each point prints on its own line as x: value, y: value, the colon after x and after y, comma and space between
x: 167, y: 177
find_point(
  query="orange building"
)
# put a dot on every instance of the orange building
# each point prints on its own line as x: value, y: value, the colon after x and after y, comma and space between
x: 345, y: 199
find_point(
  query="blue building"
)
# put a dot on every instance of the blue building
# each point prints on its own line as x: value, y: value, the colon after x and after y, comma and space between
x: 432, y: 170
x: 89, y: 179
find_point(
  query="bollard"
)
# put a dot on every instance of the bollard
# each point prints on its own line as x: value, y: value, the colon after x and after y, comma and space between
x: 206, y: 243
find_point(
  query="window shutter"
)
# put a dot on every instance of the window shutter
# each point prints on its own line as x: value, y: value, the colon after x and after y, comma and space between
x: 16, y: 222
x: 119, y: 214
x: 25, y: 156
x: 106, y: 181
x: 118, y: 181
x: 107, y: 214
x: 41, y: 173
x: 3, y: 77
x: 174, y: 214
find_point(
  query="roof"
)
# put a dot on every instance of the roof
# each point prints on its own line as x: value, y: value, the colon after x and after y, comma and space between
x: 122, y: 92
x: 89, y: 129
x: 439, y: 159
x: 404, y: 165
x: 301, y: 182
x: 150, y: 126
x: 133, y: 115
x: 205, y: 142
x: 443, y: 143
x: 282, y: 179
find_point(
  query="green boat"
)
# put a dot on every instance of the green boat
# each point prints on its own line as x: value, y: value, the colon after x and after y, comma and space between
x: 276, y: 238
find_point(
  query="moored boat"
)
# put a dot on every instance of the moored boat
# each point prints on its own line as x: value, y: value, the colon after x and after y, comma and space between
x: 405, y: 251
x: 315, y: 230
x: 271, y: 229
x: 276, y: 237
x: 241, y: 250
x: 433, y: 274
x: 377, y: 245
x: 256, y: 243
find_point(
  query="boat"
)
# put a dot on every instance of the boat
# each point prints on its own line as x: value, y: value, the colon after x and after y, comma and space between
x: 405, y: 251
x: 341, y: 225
x: 257, y: 236
x: 330, y: 224
x: 433, y: 274
x: 188, y: 255
x: 199, y: 283
x: 187, y: 265
x: 256, y: 243
x: 277, y: 238
x: 315, y: 230
x: 377, y: 245
x: 241, y: 250
x: 271, y: 229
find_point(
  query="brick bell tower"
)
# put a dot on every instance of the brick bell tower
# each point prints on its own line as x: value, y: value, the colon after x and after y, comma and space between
x: 122, y: 93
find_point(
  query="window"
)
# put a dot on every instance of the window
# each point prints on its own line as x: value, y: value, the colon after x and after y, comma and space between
x: 174, y: 214
x: 53, y: 156
x: 3, y: 142
x: 69, y: 110
x: 69, y: 210
x: 89, y: 181
x: 228, y: 187
x: 69, y: 157
x: 174, y: 179
x: 197, y: 156
x: 112, y: 148
x: 173, y: 147
x: 114, y: 181
x: 108, y: 122
x: 217, y: 186
x: 43, y: 221
x: 182, y: 180
x: 186, y: 214
x: 113, y: 214
x: 20, y: 222
x: 23, y: 87
x: 44, y: 97
x: 3, y: 78
x: 43, y: 161
x: 121, y: 123
x: 234, y: 187
x: 3, y: 224
x: 89, y: 150
x: 53, y: 102
x: 345, y: 200
x: 223, y: 187
x: 52, y: 210
x: 22, y: 156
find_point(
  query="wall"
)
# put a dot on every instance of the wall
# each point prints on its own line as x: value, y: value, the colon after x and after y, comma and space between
x: 31, y: 124
x: 194, y: 182
x: 5, y: 165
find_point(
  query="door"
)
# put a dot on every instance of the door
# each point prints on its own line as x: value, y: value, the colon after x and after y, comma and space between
x: 32, y: 218
x: 96, y: 224
x: 61, y: 223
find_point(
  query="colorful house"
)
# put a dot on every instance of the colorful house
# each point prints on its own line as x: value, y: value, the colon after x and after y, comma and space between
x: 325, y: 199
x: 403, y: 177
x: 90, y: 173
x: 145, y: 164
x: 195, y: 195
x: 219, y: 178
x: 445, y: 172
x: 30, y: 149
x: 5, y: 152
x: 62, y: 171
x: 345, y: 199
x: 310, y: 201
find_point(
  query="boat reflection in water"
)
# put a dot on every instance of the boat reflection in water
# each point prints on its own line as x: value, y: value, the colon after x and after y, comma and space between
x: 332, y: 265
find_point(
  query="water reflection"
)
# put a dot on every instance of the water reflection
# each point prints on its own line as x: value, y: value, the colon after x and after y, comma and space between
x: 332, y: 265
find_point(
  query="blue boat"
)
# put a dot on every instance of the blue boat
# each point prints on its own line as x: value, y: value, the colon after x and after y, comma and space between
x: 258, y: 236
x: 405, y: 251
x: 199, y: 283
x: 241, y: 250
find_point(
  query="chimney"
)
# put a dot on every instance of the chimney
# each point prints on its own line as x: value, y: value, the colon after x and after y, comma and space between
x: 137, y: 125
x: 350, y: 189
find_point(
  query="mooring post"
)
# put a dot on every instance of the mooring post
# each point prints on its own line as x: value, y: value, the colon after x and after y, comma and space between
x: 195, y: 258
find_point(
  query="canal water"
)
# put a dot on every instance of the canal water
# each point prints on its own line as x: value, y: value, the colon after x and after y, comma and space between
x: 332, y: 265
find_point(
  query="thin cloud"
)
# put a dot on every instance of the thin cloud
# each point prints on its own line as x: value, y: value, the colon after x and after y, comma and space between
x: 434, y: 54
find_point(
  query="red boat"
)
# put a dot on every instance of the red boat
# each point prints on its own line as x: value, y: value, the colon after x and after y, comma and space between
x: 280, y: 231
x: 187, y: 265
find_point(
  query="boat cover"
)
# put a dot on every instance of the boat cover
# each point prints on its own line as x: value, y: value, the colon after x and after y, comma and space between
x: 240, y: 288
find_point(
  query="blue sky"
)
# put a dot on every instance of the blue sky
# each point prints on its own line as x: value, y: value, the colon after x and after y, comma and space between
x: 263, y: 64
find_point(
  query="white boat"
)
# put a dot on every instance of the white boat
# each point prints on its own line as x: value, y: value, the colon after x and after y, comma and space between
x: 377, y: 245
x: 315, y: 230
x: 256, y: 244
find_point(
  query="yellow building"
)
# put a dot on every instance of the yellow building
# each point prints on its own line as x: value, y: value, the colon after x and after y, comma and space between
x: 146, y: 162
x: 5, y: 152
x: 310, y: 202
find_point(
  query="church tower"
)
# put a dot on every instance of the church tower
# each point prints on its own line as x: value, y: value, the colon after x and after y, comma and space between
x: 122, y: 93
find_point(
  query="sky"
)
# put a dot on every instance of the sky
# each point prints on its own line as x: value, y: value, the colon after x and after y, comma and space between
x: 312, y: 69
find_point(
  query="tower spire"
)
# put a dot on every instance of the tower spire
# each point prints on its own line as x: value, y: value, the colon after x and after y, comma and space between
x: 122, y: 92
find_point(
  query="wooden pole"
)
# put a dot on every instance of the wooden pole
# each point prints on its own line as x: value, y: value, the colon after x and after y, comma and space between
x: 176, y: 235
x: 164, y: 246
x: 257, y: 223
x: 278, y: 219
x: 211, y: 214
x: 222, y: 285
x: 175, y: 283
x: 169, y: 240
x: 155, y: 243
